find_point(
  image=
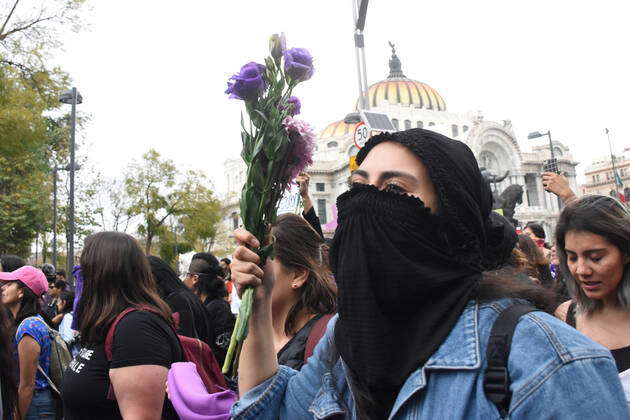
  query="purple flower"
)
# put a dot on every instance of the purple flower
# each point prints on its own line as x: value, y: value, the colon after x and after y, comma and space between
x: 249, y: 83
x: 301, y: 148
x: 277, y: 46
x: 294, y: 105
x: 298, y: 64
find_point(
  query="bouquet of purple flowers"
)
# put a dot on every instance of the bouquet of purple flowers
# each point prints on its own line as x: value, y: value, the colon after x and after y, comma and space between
x: 276, y: 148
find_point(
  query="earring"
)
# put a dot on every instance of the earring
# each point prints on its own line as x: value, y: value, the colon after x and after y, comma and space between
x: 294, y: 286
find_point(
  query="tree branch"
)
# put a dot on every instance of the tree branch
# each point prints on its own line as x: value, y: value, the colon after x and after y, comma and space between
x: 4, y: 25
x: 25, y: 27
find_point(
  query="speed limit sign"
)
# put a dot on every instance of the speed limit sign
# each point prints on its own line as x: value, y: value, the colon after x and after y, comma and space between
x: 361, y: 135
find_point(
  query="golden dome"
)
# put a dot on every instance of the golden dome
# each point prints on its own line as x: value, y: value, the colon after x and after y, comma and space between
x: 398, y: 89
x: 406, y: 92
x: 336, y: 129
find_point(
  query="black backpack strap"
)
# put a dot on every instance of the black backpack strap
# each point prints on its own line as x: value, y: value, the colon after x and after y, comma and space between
x: 496, y: 381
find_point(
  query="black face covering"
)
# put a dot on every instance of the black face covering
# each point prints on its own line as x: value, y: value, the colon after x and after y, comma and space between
x: 404, y: 274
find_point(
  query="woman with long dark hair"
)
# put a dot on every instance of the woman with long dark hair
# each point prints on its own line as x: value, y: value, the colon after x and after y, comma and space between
x: 303, y: 292
x: 205, y: 279
x: 22, y: 291
x: 416, y: 308
x: 128, y: 383
x: 537, y: 265
x: 192, y: 316
x: 8, y: 384
x: 593, y: 243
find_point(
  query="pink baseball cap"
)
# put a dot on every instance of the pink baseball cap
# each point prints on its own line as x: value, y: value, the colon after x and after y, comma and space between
x: 32, y: 277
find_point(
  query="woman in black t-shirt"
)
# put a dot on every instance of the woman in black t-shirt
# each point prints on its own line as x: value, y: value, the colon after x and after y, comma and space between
x: 204, y: 277
x: 193, y: 318
x: 116, y: 277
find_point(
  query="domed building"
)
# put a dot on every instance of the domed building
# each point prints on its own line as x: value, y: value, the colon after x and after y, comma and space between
x: 409, y: 103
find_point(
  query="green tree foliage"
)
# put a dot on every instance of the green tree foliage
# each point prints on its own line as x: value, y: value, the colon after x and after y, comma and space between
x: 25, y: 184
x: 201, y: 216
x: 156, y: 193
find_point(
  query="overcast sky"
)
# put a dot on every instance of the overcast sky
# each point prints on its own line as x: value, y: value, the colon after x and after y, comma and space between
x: 152, y: 73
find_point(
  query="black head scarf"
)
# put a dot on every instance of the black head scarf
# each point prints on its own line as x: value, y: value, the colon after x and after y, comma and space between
x: 404, y: 274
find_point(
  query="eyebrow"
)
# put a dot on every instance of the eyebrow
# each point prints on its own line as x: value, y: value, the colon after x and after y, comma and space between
x: 386, y: 175
x: 588, y: 251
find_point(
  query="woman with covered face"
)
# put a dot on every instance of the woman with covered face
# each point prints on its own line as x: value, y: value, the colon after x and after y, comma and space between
x: 415, y: 308
x: 593, y: 240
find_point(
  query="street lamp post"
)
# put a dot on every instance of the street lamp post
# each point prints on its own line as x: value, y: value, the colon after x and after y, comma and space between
x: 553, y: 163
x: 71, y: 97
x: 54, y: 225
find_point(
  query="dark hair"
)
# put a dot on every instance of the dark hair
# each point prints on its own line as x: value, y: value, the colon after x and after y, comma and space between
x: 503, y: 283
x: 165, y: 278
x: 61, y: 272
x: 533, y: 253
x: 68, y: 298
x: 297, y: 245
x: 603, y: 216
x: 537, y: 229
x: 226, y: 260
x: 7, y: 363
x: 30, y: 305
x: 11, y: 262
x: 206, y: 267
x: 61, y: 284
x: 116, y: 276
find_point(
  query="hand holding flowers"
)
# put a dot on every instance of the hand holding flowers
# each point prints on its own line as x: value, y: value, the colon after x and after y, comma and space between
x: 276, y: 147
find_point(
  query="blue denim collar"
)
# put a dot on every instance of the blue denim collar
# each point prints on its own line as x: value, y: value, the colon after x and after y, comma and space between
x: 460, y: 351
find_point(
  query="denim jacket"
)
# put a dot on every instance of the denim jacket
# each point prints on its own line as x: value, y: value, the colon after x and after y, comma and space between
x: 556, y: 373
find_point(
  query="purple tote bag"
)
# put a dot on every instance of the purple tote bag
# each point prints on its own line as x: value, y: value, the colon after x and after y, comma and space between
x: 190, y: 398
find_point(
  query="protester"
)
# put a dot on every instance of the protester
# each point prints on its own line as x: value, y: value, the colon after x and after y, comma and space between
x: 130, y: 385
x: 65, y: 317
x: 59, y: 286
x: 232, y: 299
x: 51, y: 276
x: 593, y: 236
x: 192, y: 316
x: 303, y: 291
x: 10, y: 263
x: 61, y: 275
x: 227, y: 278
x: 537, y: 264
x: 308, y: 213
x: 415, y: 309
x: 8, y: 383
x: 536, y: 232
x: 21, y: 293
x: 204, y: 278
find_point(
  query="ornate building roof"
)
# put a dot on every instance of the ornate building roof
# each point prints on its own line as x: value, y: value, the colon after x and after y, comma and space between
x: 398, y: 89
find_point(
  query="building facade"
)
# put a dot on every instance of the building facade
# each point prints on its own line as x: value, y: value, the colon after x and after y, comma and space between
x: 408, y: 104
x: 599, y: 177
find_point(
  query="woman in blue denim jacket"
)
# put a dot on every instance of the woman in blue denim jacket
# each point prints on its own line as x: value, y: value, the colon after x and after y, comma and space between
x: 415, y: 235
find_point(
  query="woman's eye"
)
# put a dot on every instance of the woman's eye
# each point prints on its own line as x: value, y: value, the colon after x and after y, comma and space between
x: 596, y: 259
x: 573, y: 259
x: 395, y: 188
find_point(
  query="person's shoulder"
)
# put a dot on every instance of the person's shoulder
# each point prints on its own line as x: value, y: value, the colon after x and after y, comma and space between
x: 562, y: 310
x: 541, y: 335
x: 137, y: 320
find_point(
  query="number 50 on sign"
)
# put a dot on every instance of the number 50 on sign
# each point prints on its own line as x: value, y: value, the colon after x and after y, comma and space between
x: 361, y: 135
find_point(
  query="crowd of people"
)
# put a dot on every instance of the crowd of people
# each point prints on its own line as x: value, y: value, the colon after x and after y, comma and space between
x: 426, y: 304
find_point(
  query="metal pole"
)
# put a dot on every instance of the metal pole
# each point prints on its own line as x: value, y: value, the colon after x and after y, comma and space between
x: 612, y: 160
x: 553, y: 158
x: 365, y: 83
x: 355, y: 16
x: 54, y: 224
x: 70, y: 260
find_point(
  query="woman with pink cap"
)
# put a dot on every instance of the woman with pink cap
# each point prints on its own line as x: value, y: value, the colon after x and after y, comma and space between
x: 22, y: 290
